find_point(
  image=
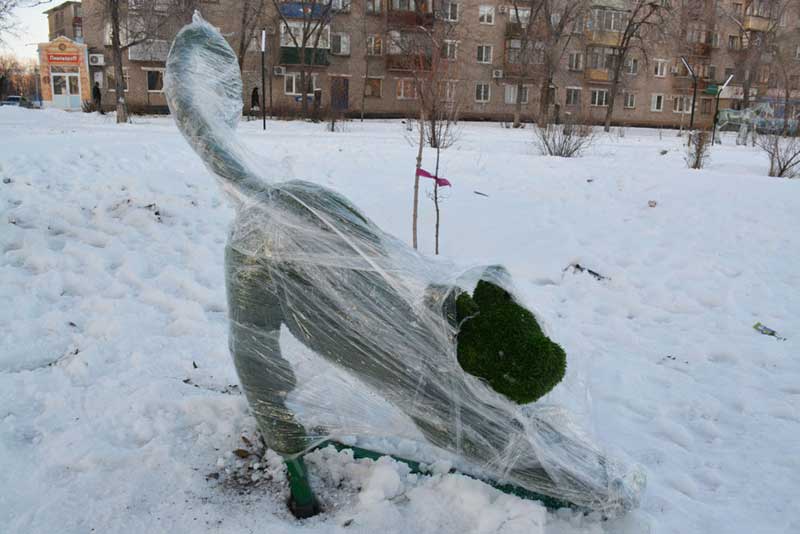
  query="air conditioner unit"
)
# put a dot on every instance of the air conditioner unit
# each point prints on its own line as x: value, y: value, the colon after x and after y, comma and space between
x: 502, y: 9
x: 279, y: 71
x: 97, y: 60
x: 497, y: 73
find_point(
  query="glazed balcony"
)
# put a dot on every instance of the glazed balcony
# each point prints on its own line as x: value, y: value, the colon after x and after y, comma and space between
x: 756, y: 23
x: 407, y: 62
x: 409, y: 19
x: 291, y: 56
x: 597, y: 75
x: 700, y: 49
x: 603, y: 38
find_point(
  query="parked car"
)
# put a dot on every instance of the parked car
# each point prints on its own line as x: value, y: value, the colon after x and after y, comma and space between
x: 16, y: 100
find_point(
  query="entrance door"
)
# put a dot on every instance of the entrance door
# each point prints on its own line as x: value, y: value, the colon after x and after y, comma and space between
x: 340, y: 89
x: 66, y: 90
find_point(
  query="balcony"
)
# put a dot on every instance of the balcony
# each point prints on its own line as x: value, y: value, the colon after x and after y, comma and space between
x: 407, y: 62
x: 409, y: 19
x: 603, y: 38
x: 755, y: 23
x: 514, y: 30
x: 300, y: 10
x: 700, y: 49
x: 291, y: 56
x: 597, y: 75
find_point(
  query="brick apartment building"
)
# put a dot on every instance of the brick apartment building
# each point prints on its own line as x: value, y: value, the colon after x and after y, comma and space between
x: 357, y: 59
x: 66, y: 20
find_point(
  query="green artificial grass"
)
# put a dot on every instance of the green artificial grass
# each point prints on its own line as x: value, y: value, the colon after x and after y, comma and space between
x: 501, y: 342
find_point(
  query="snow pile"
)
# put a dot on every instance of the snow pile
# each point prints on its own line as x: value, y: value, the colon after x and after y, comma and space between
x: 118, y: 396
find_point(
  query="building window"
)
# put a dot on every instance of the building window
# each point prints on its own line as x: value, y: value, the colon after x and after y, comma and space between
x: 449, y: 50
x: 706, y: 106
x: 340, y: 6
x: 448, y: 89
x: 292, y: 86
x: 155, y: 80
x: 484, y: 53
x: 451, y: 11
x: 519, y: 15
x: 486, y: 14
x: 632, y: 66
x: 682, y: 104
x: 573, y: 96
x: 374, y: 45
x: 340, y: 44
x: 599, y: 97
x: 406, y: 89
x: 660, y: 68
x: 373, y: 87
x: 608, y: 20
x: 373, y: 6
x: 482, y: 92
x: 711, y: 72
x: 733, y: 42
x: 575, y: 61
x: 111, y: 80
x: 511, y: 94
x: 657, y: 102
x: 602, y: 58
x: 728, y: 72
x: 629, y: 100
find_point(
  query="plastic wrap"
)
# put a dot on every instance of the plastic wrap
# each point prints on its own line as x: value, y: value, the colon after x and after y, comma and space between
x: 302, y: 262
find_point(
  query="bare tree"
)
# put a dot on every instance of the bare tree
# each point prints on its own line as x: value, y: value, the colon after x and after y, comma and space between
x: 305, y: 26
x: 783, y: 152
x: 699, y: 149
x: 145, y: 26
x: 784, y: 75
x: 428, y: 51
x: 252, y: 14
x: 524, y: 52
x: 759, y: 22
x: 7, y: 8
x: 639, y: 27
x: 561, y: 22
x: 9, y: 66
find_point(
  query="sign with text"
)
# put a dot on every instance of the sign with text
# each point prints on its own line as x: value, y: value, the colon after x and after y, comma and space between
x: 63, y: 58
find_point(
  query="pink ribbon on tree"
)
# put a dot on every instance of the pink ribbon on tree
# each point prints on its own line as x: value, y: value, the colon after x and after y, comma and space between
x: 441, y: 182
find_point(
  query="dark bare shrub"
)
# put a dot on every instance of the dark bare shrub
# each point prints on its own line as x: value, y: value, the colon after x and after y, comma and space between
x: 699, y: 149
x: 783, y: 153
x: 567, y: 140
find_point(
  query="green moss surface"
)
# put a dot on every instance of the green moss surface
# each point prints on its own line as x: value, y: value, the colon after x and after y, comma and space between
x: 501, y: 342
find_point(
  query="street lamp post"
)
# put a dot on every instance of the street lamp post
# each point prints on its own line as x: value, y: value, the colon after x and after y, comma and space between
x: 716, y: 108
x: 263, y: 84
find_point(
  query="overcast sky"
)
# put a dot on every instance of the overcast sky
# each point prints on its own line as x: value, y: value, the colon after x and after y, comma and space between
x: 31, y: 27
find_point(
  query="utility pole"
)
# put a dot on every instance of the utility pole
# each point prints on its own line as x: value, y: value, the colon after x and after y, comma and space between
x: 694, y: 94
x: 716, y: 109
x: 263, y: 85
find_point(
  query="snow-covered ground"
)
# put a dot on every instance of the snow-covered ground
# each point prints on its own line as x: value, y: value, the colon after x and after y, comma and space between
x: 119, y: 410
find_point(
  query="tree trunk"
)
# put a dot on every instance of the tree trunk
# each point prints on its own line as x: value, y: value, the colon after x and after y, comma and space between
x: 415, y: 210
x: 303, y: 85
x: 436, y: 201
x: 518, y: 106
x: 243, y: 34
x: 364, y: 86
x: 544, y: 102
x: 119, y: 73
x: 612, y: 96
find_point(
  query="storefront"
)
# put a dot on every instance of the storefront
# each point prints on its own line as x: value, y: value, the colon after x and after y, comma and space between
x: 64, y: 74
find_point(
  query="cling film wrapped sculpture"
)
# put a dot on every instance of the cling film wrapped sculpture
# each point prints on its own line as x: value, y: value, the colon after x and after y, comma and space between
x: 452, y: 350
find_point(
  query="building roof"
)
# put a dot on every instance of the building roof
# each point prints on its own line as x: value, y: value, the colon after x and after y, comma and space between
x: 60, y: 6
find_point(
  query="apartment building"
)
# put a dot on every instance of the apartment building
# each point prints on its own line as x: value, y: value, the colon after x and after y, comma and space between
x: 65, y: 20
x: 359, y: 63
